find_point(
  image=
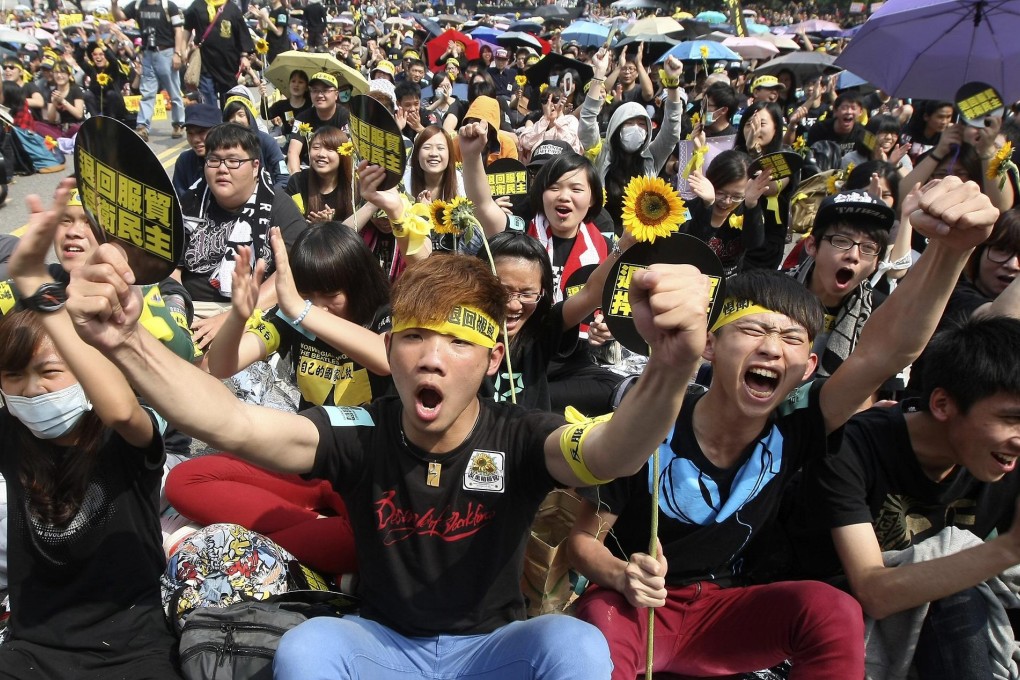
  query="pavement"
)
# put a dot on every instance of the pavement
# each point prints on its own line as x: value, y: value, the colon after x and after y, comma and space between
x: 15, y: 213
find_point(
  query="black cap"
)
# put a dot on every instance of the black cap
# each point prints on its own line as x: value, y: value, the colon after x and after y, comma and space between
x: 202, y: 115
x: 855, y: 206
x: 548, y: 150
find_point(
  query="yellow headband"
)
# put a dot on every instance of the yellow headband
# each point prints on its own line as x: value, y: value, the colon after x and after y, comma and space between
x: 467, y: 323
x: 733, y: 309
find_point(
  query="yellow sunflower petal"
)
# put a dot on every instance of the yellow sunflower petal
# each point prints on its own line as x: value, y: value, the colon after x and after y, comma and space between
x: 651, y: 209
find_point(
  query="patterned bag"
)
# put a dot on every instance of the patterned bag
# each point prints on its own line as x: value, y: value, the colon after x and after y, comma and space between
x: 223, y: 564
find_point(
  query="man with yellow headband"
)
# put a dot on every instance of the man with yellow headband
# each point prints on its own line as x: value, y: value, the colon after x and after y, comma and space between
x: 729, y: 460
x: 441, y: 486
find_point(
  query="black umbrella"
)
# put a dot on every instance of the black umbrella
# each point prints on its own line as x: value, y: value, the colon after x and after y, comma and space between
x: 517, y: 39
x: 552, y: 12
x: 539, y: 72
x: 655, y: 45
x: 430, y: 26
x: 695, y: 27
x: 803, y: 65
x: 526, y: 26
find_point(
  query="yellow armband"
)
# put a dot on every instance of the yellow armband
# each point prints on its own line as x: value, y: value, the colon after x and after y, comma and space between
x: 258, y: 325
x: 415, y: 225
x: 572, y: 443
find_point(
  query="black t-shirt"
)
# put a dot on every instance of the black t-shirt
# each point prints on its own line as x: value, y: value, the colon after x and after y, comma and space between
x: 709, y: 517
x: 210, y: 241
x: 278, y: 43
x: 93, y: 584
x: 315, y: 17
x: 728, y: 242
x: 325, y: 375
x: 155, y: 23
x: 875, y: 478
x: 74, y: 93
x: 228, y: 39
x: 530, y: 362
x: 826, y: 130
x: 808, y: 121
x: 287, y: 113
x: 443, y: 559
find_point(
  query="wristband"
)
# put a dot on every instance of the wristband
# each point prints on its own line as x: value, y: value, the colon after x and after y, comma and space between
x: 304, y: 313
x: 937, y: 159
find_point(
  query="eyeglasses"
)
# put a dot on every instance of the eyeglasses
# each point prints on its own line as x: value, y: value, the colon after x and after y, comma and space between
x: 524, y: 298
x: 729, y: 198
x: 231, y: 163
x: 554, y: 99
x: 868, y: 248
x: 1000, y: 255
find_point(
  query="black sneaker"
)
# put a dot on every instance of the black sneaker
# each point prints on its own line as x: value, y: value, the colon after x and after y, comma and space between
x: 178, y: 131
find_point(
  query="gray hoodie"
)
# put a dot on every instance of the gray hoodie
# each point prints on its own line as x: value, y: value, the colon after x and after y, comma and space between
x: 655, y: 152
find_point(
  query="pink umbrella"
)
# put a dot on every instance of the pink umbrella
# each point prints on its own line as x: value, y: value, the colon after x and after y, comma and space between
x: 811, y: 26
x: 751, y: 48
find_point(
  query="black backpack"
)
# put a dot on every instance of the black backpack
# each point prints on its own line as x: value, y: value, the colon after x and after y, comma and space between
x: 239, y: 642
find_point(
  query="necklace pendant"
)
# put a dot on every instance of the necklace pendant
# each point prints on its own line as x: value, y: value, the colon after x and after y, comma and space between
x: 432, y: 476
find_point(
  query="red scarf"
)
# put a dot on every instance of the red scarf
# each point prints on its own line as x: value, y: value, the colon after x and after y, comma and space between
x: 589, y: 247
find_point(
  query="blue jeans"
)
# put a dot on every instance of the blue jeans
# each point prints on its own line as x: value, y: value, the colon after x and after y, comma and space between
x: 546, y: 647
x: 210, y: 91
x: 954, y: 641
x: 158, y: 72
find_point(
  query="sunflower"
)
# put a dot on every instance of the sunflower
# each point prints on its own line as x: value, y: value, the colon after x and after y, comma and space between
x: 799, y: 144
x: 304, y: 129
x: 695, y: 119
x: 521, y: 81
x: 441, y: 222
x: 543, y: 87
x: 995, y: 166
x: 461, y: 214
x: 736, y: 221
x: 651, y: 209
x: 833, y: 184
x: 103, y: 79
x: 345, y: 149
x: 704, y: 52
x: 261, y: 46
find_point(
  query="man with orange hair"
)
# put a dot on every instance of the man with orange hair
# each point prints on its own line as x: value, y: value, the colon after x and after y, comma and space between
x: 441, y: 486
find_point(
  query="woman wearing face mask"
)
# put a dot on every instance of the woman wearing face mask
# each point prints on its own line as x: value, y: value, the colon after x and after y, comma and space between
x: 442, y: 98
x: 761, y: 133
x: 82, y: 462
x: 554, y: 124
x: 629, y: 148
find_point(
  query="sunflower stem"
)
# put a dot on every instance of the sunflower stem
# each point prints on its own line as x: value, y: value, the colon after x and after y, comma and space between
x: 653, y: 545
x: 506, y: 354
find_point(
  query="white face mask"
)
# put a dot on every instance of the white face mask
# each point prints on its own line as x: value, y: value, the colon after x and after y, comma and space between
x: 50, y: 415
x: 632, y: 138
x: 553, y: 80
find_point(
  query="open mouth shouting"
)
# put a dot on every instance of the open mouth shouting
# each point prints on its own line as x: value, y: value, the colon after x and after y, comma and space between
x: 761, y: 383
x: 844, y: 275
x: 1006, y: 462
x: 428, y: 402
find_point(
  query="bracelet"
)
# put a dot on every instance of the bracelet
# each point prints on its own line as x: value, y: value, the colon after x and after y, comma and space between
x: 937, y: 159
x: 304, y: 313
x: 598, y: 80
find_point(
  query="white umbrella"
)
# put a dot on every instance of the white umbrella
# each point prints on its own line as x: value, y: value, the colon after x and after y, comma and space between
x: 16, y: 37
x: 654, y: 26
x: 751, y: 48
x: 783, y: 42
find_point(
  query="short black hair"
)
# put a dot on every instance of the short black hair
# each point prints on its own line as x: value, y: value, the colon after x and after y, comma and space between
x: 556, y: 168
x: 848, y: 97
x: 722, y: 95
x: 229, y: 135
x: 780, y: 293
x: 973, y: 360
x: 406, y: 88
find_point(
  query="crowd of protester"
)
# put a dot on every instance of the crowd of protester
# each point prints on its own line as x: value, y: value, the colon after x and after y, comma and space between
x: 836, y: 479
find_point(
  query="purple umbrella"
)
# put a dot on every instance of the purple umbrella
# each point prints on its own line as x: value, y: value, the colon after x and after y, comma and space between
x: 929, y: 48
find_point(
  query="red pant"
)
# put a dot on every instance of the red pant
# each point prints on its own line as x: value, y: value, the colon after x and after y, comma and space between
x: 707, y: 631
x: 283, y: 507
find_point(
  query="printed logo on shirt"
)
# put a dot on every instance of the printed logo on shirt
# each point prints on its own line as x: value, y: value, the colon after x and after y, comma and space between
x: 485, y: 471
x: 346, y: 416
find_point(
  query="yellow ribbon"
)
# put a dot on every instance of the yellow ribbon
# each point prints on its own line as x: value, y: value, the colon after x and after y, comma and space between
x: 465, y: 322
x: 734, y: 309
x: 696, y: 161
x: 415, y: 225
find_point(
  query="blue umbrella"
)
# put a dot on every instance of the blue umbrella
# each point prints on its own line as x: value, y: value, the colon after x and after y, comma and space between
x: 712, y: 17
x: 526, y: 27
x: 691, y: 51
x: 756, y: 29
x: 585, y: 33
x: 486, y: 33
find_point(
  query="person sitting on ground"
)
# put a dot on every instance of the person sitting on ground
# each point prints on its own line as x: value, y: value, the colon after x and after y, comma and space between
x: 444, y: 450
x: 721, y: 478
x: 82, y: 460
x: 234, y: 206
x: 908, y: 475
x: 189, y: 167
x: 240, y: 109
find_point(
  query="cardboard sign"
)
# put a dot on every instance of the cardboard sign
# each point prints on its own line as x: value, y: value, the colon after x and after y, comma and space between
x: 133, y: 103
x: 677, y: 249
x: 65, y: 20
x: 782, y: 164
x: 509, y: 177
x: 377, y: 138
x: 128, y: 197
x: 978, y: 101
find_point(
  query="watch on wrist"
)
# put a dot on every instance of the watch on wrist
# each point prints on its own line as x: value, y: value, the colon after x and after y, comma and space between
x: 49, y: 297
